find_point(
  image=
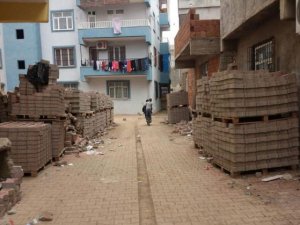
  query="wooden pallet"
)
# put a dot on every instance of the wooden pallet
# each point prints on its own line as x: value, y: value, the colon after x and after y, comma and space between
x: 264, y: 171
x: 57, y: 158
x: 37, y: 117
x: 35, y: 173
x: 253, y: 119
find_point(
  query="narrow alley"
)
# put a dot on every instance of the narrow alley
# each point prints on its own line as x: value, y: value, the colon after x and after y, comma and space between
x: 149, y: 175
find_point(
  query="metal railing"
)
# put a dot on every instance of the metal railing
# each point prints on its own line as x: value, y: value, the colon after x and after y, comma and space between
x: 109, y: 24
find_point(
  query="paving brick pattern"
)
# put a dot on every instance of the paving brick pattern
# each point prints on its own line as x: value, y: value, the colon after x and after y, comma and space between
x: 185, y: 189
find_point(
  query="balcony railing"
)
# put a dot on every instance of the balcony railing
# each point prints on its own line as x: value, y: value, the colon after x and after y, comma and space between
x: 109, y: 24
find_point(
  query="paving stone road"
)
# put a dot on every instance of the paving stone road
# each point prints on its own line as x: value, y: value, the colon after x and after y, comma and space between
x: 147, y: 176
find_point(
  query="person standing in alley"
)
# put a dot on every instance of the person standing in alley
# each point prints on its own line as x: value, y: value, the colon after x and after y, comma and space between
x: 147, y: 110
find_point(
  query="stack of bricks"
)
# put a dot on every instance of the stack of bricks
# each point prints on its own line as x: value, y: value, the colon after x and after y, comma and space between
x: 101, y: 117
x: 49, y: 103
x: 57, y: 137
x: 243, y: 94
x: 10, y: 178
x: 31, y: 144
x: 253, y: 146
x: 177, y: 104
x: 80, y: 102
x: 44, y: 103
x: 4, y: 108
x: 203, y: 96
x: 251, y: 121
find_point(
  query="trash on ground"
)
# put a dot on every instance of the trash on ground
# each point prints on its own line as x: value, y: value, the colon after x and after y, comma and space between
x: 267, y: 179
x: 89, y: 147
x: 60, y: 163
x: 11, y: 212
x: 46, y: 216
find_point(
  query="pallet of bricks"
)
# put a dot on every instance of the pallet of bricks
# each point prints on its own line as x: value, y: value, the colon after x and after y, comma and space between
x: 42, y: 103
x: 252, y: 120
x: 90, y: 108
x: 31, y: 144
x: 177, y: 107
x: 10, y: 178
x: 109, y: 109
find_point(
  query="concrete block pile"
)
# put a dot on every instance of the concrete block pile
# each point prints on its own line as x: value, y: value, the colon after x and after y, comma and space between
x: 252, y: 146
x: 80, y: 102
x: 49, y: 103
x: 177, y: 107
x: 31, y: 144
x: 243, y: 94
x: 10, y: 178
x: 4, y: 109
x: 248, y: 120
x: 93, y: 111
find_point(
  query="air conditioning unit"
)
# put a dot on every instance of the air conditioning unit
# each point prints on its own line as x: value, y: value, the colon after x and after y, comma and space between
x: 102, y: 45
x: 298, y: 16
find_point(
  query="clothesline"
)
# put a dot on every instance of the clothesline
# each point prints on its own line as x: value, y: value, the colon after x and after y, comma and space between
x: 122, y: 65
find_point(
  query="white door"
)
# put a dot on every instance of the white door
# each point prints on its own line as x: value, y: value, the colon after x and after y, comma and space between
x: 92, y: 19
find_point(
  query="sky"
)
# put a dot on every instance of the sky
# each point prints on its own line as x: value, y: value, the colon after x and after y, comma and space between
x: 174, y: 23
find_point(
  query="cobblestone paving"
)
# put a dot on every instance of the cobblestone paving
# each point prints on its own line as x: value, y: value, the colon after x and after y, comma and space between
x: 104, y: 189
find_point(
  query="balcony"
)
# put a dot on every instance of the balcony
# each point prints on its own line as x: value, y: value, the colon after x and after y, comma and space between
x: 87, y: 71
x: 196, y: 39
x: 164, y: 21
x: 104, y: 29
x: 84, y: 4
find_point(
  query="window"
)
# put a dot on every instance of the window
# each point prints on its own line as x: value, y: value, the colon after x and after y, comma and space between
x: 156, y: 89
x: 70, y: 85
x: 118, y: 89
x: 116, y: 53
x: 119, y: 11
x: 155, y: 57
x: 62, y: 21
x: 154, y: 22
x: 21, y: 64
x: 110, y: 12
x: 204, y: 70
x: 20, y: 33
x: 64, y: 57
x: 0, y: 59
x: 261, y: 56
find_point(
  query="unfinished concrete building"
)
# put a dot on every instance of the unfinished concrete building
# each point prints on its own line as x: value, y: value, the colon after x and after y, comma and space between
x: 261, y: 34
x: 197, y: 43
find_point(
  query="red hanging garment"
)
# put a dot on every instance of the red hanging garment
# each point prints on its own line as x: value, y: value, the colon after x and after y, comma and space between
x: 129, y: 68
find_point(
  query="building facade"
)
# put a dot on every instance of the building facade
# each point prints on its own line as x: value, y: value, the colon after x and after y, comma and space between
x: 262, y: 35
x: 113, y: 47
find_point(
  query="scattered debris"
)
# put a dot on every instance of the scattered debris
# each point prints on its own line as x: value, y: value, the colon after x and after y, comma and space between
x: 276, y: 177
x: 32, y: 222
x: 60, y: 163
x: 184, y: 128
x: 124, y: 119
x: 46, y: 216
x: 201, y: 157
x: 11, y: 212
x: 258, y: 174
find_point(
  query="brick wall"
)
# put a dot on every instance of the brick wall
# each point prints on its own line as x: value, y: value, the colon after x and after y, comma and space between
x: 213, y: 65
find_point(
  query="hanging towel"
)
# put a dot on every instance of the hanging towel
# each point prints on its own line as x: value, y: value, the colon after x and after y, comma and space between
x: 103, y: 65
x: 140, y: 64
x: 115, y: 65
x: 117, y: 23
x: 98, y: 64
x: 133, y: 66
x: 94, y: 65
x: 129, y: 68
